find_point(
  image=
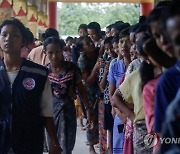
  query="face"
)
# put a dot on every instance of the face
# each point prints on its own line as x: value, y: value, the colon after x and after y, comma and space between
x: 116, y: 47
x: 82, y: 32
x: 114, y: 32
x: 137, y: 37
x: 70, y: 42
x: 153, y: 62
x: 160, y: 39
x: 124, y: 46
x: 54, y: 53
x: 108, y: 49
x: 88, y: 45
x: 173, y: 28
x: 93, y: 35
x: 11, y: 40
x: 133, y: 52
x: 108, y: 32
x: 132, y: 37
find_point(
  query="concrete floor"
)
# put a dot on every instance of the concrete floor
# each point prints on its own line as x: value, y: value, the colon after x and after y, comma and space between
x: 80, y: 146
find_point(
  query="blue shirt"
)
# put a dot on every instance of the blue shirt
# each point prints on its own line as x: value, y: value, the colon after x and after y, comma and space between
x: 172, y: 126
x: 166, y: 90
x: 116, y: 72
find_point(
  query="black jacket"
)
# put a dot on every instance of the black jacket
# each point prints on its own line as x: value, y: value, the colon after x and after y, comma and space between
x: 21, y: 126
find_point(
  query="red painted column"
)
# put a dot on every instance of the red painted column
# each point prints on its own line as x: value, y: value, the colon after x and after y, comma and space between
x: 53, y: 15
x: 145, y: 7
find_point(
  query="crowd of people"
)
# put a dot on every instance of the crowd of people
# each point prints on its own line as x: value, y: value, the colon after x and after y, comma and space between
x: 125, y: 82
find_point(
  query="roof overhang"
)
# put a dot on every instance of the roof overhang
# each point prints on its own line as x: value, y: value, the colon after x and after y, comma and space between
x: 103, y: 1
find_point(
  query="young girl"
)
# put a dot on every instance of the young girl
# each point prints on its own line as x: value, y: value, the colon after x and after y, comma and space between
x: 64, y: 77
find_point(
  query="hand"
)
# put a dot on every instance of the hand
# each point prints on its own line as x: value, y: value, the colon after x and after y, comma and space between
x: 132, y: 117
x: 113, y: 112
x: 130, y: 106
x: 96, y: 67
x: 101, y: 62
x: 89, y: 114
x: 55, y: 149
x: 106, y: 69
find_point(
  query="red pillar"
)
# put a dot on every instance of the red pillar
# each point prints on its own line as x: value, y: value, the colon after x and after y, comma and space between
x: 52, y: 15
x: 145, y: 8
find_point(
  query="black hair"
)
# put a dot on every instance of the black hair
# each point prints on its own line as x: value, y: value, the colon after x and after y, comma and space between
x: 78, y: 43
x: 19, y: 25
x: 30, y: 36
x: 146, y: 72
x: 150, y: 48
x: 123, y: 33
x: 142, y: 27
x: 133, y: 28
x: 141, y: 42
x: 120, y: 26
x: 119, y: 22
x: 50, y: 32
x: 155, y: 15
x: 82, y: 26
x: 115, y: 39
x: 172, y: 10
x: 163, y: 4
x: 142, y: 19
x: 109, y: 26
x: 69, y: 38
x: 108, y: 40
x: 54, y: 40
x: 103, y: 33
x: 95, y: 26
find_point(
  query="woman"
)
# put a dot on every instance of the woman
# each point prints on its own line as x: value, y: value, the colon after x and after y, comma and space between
x: 25, y: 106
x: 90, y: 70
x: 94, y: 32
x: 64, y: 77
x: 167, y: 85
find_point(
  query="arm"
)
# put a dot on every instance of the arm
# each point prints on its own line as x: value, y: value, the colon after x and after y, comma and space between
x: 148, y: 106
x: 91, y: 78
x: 54, y: 146
x: 121, y: 105
x: 31, y: 55
x: 120, y: 115
x: 84, y: 95
x: 104, y: 79
x: 47, y: 113
x: 112, y: 89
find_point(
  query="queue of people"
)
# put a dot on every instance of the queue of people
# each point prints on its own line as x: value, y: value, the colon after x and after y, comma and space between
x: 127, y: 81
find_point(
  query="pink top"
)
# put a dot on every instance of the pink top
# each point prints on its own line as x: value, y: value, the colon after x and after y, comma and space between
x: 37, y: 55
x: 148, y: 103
